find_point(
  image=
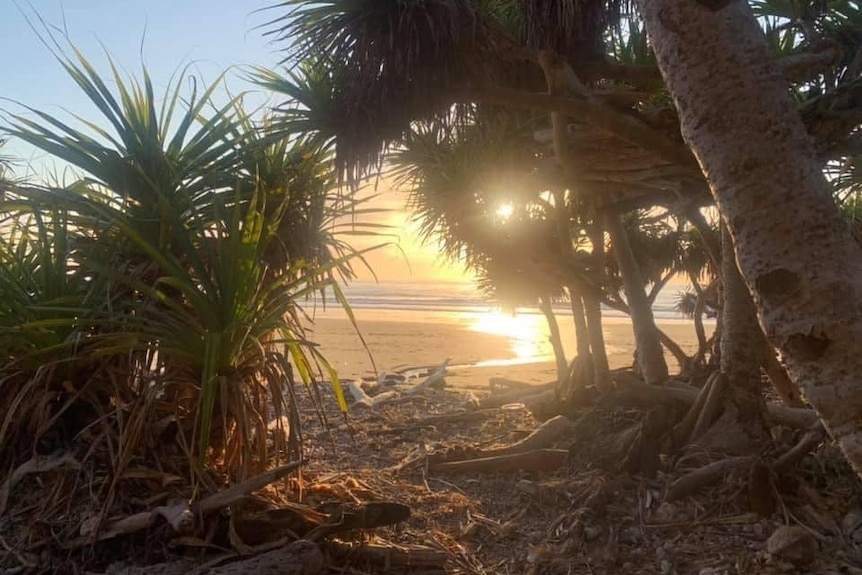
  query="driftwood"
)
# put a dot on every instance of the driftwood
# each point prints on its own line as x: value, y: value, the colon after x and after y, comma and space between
x: 178, y: 516
x: 362, y: 399
x: 691, y: 482
x: 390, y: 555
x: 630, y: 390
x: 536, y: 460
x: 433, y: 378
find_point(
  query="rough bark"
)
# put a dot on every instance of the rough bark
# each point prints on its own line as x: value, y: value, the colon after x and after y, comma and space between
x: 545, y: 305
x: 650, y: 355
x: 797, y: 259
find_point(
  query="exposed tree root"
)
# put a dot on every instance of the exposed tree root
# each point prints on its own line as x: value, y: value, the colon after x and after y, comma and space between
x: 682, y: 430
x: 691, y: 482
x: 632, y: 390
x: 711, y: 407
x: 794, y: 455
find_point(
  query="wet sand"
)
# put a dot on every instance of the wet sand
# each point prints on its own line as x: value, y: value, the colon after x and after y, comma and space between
x: 480, y: 346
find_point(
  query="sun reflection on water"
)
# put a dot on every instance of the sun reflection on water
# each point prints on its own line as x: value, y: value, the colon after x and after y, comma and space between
x: 527, y: 334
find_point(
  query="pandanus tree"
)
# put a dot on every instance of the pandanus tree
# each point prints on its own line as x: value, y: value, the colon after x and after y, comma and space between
x: 619, y: 142
x: 160, y: 293
x: 475, y: 190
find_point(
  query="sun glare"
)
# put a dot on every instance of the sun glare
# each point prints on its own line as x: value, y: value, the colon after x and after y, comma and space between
x: 505, y: 211
x: 526, y: 334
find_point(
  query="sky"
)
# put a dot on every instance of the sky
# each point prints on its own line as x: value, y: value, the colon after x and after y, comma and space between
x: 209, y: 36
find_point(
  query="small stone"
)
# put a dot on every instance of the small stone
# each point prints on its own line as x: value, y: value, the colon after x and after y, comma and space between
x: 792, y: 544
x: 666, y: 567
x: 660, y: 553
x: 757, y: 530
x: 628, y: 567
x: 592, y: 532
x: 708, y: 571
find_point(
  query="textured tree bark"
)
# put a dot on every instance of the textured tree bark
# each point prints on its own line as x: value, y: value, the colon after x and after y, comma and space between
x: 650, y: 354
x: 802, y: 268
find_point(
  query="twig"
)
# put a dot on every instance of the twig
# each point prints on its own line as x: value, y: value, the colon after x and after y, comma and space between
x: 536, y: 460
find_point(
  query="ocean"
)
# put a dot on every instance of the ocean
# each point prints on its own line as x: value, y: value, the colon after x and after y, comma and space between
x: 429, y: 298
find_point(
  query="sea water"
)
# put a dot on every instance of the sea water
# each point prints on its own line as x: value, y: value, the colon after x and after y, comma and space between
x: 449, y: 298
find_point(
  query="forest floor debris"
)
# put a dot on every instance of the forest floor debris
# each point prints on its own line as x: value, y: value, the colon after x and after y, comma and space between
x: 584, y: 514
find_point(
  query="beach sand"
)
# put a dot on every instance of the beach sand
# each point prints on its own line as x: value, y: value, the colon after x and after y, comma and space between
x: 479, y: 345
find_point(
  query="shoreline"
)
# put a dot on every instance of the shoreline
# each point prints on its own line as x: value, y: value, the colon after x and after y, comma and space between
x: 480, y: 345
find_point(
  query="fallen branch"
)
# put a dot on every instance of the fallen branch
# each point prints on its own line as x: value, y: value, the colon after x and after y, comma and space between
x: 691, y: 482
x: 541, y: 437
x: 240, y: 491
x: 536, y: 460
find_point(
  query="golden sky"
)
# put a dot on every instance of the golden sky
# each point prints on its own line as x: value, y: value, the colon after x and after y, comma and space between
x: 406, y: 257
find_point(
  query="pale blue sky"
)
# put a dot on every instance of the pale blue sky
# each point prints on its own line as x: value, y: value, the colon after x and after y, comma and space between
x: 211, y: 35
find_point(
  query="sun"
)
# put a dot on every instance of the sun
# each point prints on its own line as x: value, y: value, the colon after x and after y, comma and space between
x: 505, y: 211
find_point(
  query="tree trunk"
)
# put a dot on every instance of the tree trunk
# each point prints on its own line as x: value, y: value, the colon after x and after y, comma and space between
x: 601, y: 370
x: 797, y: 258
x: 676, y: 351
x: 593, y: 305
x: 546, y: 306
x: 742, y: 427
x: 650, y: 355
x: 582, y: 333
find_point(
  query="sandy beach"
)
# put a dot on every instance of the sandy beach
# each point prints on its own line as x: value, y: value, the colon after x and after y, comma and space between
x: 480, y: 345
